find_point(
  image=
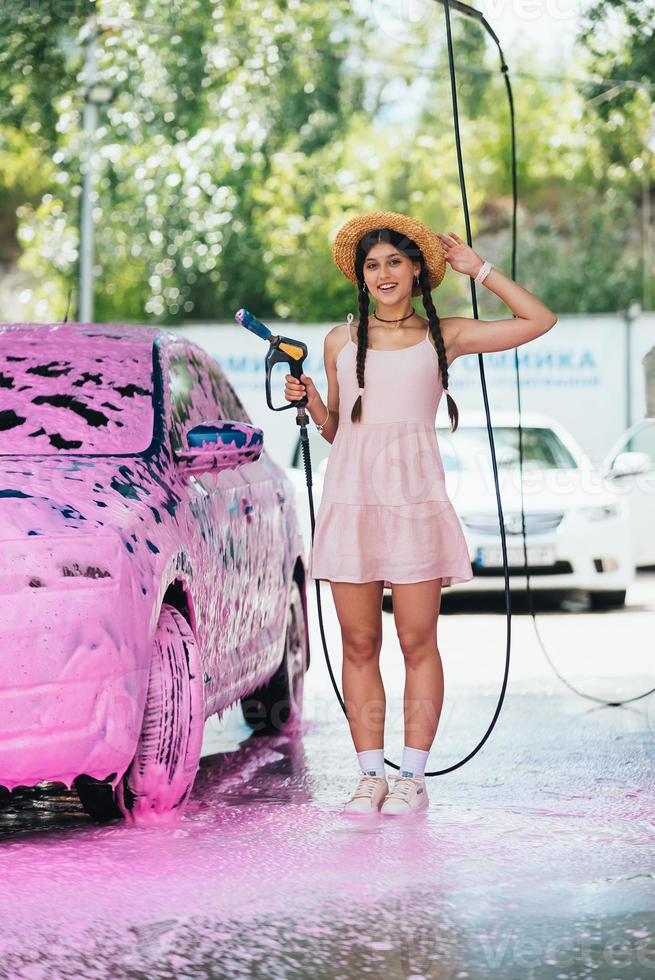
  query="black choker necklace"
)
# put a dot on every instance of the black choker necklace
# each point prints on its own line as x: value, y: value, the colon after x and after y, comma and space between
x: 397, y: 320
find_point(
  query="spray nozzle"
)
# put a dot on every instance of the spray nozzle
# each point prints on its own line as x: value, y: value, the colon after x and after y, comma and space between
x: 284, y: 350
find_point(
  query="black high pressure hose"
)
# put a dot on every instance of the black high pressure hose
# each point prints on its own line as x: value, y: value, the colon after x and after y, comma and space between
x: 304, y: 443
x: 476, y: 15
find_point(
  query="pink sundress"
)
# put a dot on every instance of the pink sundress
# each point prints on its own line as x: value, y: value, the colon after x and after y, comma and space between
x: 384, y: 513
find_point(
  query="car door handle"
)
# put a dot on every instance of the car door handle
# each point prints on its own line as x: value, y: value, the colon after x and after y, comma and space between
x: 247, y: 507
x: 280, y: 499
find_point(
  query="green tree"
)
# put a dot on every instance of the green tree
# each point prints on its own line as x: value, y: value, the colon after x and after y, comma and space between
x: 240, y: 136
x: 205, y: 94
x: 619, y: 36
x: 38, y: 62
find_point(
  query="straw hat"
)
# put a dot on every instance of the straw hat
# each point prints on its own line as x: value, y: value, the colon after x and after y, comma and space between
x: 345, y: 243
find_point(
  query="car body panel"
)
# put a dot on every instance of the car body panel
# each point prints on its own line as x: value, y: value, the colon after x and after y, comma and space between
x: 638, y: 488
x: 93, y: 543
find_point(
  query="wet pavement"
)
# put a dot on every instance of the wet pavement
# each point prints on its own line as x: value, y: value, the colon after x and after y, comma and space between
x: 534, y: 860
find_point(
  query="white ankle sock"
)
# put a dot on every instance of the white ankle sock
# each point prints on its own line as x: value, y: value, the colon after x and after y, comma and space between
x: 413, y: 762
x: 372, y: 762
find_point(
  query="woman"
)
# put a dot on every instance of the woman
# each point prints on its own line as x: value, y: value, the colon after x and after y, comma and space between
x: 385, y: 516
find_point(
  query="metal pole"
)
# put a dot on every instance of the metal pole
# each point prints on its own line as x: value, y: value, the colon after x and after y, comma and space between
x: 89, y: 126
x: 647, y: 304
x: 632, y: 313
x: 628, y: 368
x: 646, y: 234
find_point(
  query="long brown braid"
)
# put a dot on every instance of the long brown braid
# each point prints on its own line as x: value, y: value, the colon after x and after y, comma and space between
x: 435, y: 330
x: 412, y: 250
x: 362, y: 345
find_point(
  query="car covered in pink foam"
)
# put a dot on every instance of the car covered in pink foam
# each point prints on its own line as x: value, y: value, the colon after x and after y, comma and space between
x: 151, y: 565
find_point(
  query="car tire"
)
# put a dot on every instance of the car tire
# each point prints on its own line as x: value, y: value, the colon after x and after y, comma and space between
x: 608, y: 600
x: 276, y: 706
x: 162, y: 773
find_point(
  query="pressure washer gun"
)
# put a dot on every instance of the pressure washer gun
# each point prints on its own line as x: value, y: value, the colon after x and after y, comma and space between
x: 282, y: 349
x: 293, y: 353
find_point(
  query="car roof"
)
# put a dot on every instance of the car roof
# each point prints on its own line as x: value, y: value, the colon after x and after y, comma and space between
x: 68, y: 379
x: 136, y: 334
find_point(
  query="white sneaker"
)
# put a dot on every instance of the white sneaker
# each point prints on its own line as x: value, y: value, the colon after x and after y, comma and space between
x: 370, y: 792
x: 408, y: 795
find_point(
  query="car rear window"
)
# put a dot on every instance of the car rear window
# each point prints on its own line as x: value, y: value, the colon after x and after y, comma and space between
x: 92, y: 395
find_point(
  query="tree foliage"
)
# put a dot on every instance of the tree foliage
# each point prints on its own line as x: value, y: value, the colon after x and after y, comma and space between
x: 240, y: 134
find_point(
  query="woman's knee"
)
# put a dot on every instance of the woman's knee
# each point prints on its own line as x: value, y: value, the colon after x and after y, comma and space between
x: 416, y: 645
x: 361, y: 646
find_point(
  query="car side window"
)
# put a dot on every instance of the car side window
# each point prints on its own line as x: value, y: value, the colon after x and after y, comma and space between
x: 225, y: 394
x: 181, y: 382
x: 199, y: 392
x: 192, y: 396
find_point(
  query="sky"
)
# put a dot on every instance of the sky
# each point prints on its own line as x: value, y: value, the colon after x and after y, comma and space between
x: 546, y: 27
x: 544, y: 30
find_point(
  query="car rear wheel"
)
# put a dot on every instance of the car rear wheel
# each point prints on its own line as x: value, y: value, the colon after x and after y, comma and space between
x: 277, y: 705
x: 162, y: 773
x: 607, y: 600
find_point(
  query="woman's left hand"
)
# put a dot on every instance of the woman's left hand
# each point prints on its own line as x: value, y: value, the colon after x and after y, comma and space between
x: 460, y: 256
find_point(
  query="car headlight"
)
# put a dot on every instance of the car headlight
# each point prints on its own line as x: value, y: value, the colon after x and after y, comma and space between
x: 601, y: 513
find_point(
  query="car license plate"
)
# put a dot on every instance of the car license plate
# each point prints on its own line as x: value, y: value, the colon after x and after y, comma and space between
x: 543, y: 555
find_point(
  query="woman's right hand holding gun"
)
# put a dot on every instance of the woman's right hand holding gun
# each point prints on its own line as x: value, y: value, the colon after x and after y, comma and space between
x: 294, y: 390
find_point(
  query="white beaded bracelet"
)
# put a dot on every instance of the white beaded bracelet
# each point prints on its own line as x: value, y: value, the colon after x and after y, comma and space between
x: 320, y: 427
x: 483, y: 272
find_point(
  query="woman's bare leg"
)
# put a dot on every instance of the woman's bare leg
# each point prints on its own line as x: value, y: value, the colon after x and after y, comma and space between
x: 415, y: 610
x: 359, y: 610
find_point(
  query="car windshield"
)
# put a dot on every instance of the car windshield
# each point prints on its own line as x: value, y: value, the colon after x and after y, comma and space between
x: 95, y: 397
x: 468, y: 447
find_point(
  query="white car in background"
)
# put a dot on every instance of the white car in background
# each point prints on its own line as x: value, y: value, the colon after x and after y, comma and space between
x: 630, y: 466
x: 578, y: 524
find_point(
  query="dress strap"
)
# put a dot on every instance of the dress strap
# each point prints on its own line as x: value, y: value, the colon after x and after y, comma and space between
x: 349, y: 320
x: 427, y: 332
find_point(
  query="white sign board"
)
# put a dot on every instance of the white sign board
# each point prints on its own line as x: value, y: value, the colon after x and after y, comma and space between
x: 586, y: 372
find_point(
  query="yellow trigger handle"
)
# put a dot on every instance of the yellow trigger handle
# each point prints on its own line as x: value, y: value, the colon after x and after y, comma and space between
x: 292, y: 350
